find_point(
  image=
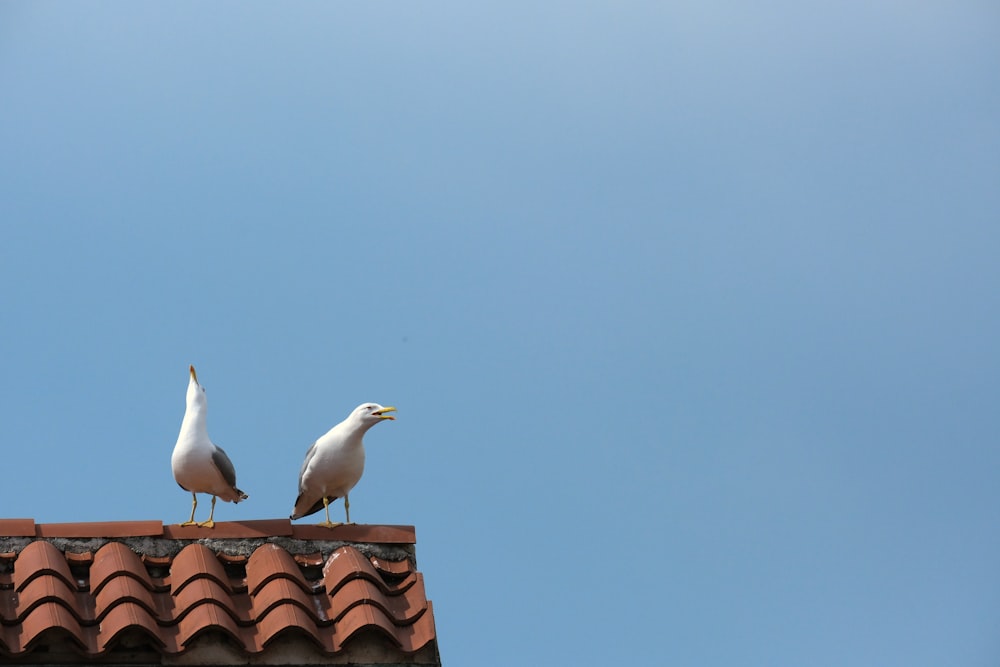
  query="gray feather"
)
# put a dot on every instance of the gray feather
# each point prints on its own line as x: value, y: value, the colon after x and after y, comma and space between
x: 305, y: 464
x: 316, y: 506
x: 224, y: 465
x: 226, y: 469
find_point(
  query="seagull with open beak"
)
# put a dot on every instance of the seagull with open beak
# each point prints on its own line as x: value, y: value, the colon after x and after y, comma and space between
x: 335, y: 463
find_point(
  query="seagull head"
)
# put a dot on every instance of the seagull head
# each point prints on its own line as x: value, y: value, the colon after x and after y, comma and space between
x: 369, y: 414
x: 195, y: 392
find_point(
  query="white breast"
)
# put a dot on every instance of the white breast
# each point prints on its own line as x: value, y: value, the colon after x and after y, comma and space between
x: 335, y: 468
x: 194, y: 469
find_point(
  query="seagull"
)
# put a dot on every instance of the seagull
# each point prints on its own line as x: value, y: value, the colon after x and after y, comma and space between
x: 199, y: 465
x: 335, y: 462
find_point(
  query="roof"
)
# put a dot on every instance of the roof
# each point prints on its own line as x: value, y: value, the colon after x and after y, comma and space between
x: 267, y: 592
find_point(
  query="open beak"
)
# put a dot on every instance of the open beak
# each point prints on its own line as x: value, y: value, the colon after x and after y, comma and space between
x: 381, y: 413
x: 194, y: 376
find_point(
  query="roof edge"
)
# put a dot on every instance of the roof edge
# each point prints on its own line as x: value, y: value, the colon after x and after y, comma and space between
x: 261, y: 528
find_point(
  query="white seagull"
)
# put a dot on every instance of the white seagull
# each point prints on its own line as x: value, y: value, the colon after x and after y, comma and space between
x: 335, y: 462
x: 199, y: 465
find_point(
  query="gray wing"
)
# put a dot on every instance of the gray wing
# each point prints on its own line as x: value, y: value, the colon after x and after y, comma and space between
x: 305, y: 464
x: 316, y: 506
x: 224, y: 465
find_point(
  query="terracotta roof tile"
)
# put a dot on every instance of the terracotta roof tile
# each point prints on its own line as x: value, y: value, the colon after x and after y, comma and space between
x: 291, y: 618
x: 46, y: 588
x: 124, y: 617
x: 17, y: 527
x: 123, y: 589
x: 283, y: 592
x: 203, y: 592
x: 271, y: 562
x: 167, y: 590
x: 408, y: 638
x: 355, y: 533
x: 305, y: 560
x: 51, y: 618
x: 347, y: 563
x: 84, y: 558
x: 115, y: 560
x: 41, y: 559
x: 205, y: 617
x: 262, y: 528
x: 100, y: 529
x: 363, y: 591
x: 399, y: 568
x: 194, y: 562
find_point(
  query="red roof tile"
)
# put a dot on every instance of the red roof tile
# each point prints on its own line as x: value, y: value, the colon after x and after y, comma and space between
x: 100, y: 529
x: 17, y: 527
x: 103, y: 590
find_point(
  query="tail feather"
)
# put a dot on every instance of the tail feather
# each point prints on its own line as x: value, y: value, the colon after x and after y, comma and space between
x: 317, y: 506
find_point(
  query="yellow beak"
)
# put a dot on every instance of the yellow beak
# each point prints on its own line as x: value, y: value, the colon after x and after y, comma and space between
x: 382, y: 415
x: 194, y: 376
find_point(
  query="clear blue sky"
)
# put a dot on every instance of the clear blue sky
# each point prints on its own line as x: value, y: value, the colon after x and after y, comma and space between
x: 690, y: 310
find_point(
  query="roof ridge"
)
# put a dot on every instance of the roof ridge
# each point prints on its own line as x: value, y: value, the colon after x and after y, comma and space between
x: 354, y: 532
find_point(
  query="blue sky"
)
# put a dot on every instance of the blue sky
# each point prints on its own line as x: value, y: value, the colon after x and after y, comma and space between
x: 690, y: 310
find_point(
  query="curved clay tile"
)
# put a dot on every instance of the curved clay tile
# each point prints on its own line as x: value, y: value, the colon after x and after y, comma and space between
x: 282, y: 591
x: 364, y: 617
x: 156, y: 561
x: 396, y: 568
x: 232, y: 559
x: 123, y: 617
x: 291, y: 619
x: 48, y: 588
x: 314, y: 559
x: 123, y: 590
x: 79, y: 558
x: 196, y: 560
x: 268, y: 562
x: 348, y: 563
x: 114, y: 559
x: 418, y: 634
x: 402, y: 609
x: 40, y: 558
x: 51, y: 617
x: 206, y: 592
x: 408, y: 638
x: 205, y: 618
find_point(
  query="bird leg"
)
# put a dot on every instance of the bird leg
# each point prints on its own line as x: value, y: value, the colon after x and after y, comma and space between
x: 194, y: 504
x: 211, y: 522
x: 347, y: 508
x: 327, y: 523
